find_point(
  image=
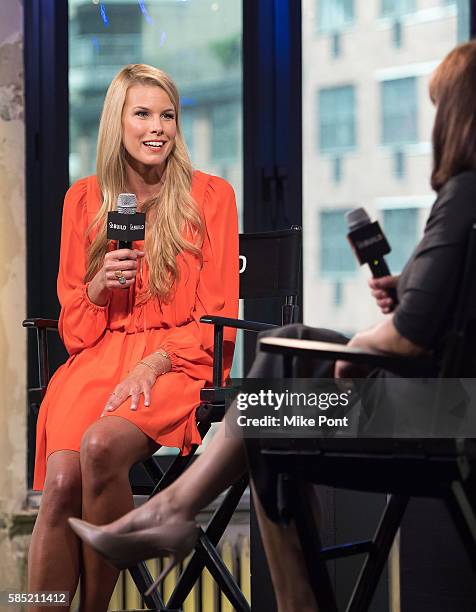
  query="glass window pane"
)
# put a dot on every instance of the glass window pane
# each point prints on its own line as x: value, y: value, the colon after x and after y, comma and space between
x: 399, y: 111
x: 397, y: 8
x: 198, y: 43
x: 367, y: 123
x: 337, y: 260
x: 336, y: 109
x: 334, y: 14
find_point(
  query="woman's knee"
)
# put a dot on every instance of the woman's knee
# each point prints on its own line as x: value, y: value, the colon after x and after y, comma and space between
x: 294, y: 330
x: 97, y: 457
x: 61, y: 495
x: 103, y: 459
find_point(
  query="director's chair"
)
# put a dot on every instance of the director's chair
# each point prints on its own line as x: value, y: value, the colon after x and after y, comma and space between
x: 436, y: 467
x: 270, y: 265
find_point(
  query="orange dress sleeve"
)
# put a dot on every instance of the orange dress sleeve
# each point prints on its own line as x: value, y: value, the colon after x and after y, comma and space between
x: 81, y: 322
x: 190, y: 346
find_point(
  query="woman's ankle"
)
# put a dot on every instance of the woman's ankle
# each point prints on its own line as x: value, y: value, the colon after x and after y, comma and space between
x: 172, y: 506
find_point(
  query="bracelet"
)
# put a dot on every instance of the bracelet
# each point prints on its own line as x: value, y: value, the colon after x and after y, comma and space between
x: 152, y: 368
x: 166, y: 362
x: 162, y: 352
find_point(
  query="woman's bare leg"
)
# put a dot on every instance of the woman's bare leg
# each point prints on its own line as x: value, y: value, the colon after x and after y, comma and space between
x: 218, y: 467
x: 108, y: 450
x: 286, y: 563
x: 54, y: 555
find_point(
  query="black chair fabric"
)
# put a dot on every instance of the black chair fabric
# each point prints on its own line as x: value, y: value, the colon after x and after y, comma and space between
x: 268, y: 264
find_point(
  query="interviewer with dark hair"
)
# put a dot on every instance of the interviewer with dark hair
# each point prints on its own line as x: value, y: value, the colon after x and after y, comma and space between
x: 427, y: 290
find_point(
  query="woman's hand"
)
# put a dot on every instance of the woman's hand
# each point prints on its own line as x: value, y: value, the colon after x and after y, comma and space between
x: 383, y: 338
x: 379, y: 289
x: 347, y: 369
x: 123, y: 261
x: 140, y: 380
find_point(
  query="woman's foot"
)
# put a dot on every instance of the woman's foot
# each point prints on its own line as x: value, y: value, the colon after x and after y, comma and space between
x: 162, y: 509
x: 124, y: 550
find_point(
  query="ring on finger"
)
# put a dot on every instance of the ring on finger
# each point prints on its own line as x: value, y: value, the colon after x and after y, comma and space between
x: 119, y: 274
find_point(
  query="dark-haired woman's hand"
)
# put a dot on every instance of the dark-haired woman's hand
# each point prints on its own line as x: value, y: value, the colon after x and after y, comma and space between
x: 118, y: 272
x: 380, y: 290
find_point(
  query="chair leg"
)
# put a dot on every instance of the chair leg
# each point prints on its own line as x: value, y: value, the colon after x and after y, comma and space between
x: 142, y: 579
x: 373, y: 566
x: 462, y: 511
x: 223, y: 577
x: 211, y: 537
x: 308, y: 533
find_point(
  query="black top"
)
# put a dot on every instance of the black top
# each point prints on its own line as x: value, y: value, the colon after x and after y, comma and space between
x: 428, y: 285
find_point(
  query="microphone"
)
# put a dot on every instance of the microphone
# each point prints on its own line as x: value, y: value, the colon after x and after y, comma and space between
x: 126, y: 225
x: 369, y: 244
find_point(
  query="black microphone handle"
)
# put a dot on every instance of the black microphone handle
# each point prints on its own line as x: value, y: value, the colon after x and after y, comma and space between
x: 379, y: 268
x: 122, y: 244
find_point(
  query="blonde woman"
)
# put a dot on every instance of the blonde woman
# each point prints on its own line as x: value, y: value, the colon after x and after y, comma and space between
x: 130, y: 322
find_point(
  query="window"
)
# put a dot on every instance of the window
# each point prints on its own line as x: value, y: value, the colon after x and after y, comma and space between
x: 336, y: 119
x: 224, y: 131
x: 337, y: 258
x: 334, y: 14
x: 397, y: 8
x: 399, y: 111
x: 401, y: 229
x: 192, y: 41
x: 383, y: 41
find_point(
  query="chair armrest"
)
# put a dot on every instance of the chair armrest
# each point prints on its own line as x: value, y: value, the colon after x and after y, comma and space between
x: 41, y: 323
x: 255, y: 326
x: 219, y: 323
x: 42, y: 327
x: 327, y: 350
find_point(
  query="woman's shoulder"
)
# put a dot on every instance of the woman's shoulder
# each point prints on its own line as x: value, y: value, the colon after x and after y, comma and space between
x: 85, y: 193
x: 455, y: 206
x: 460, y: 186
x: 209, y: 184
x: 215, y: 197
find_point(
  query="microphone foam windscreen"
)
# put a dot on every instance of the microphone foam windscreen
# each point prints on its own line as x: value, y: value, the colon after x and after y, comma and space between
x: 126, y: 203
x: 356, y: 218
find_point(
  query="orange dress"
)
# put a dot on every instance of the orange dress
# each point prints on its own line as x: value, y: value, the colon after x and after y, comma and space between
x: 106, y: 342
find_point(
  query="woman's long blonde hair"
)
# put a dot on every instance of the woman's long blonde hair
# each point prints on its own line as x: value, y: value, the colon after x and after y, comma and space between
x: 173, y: 216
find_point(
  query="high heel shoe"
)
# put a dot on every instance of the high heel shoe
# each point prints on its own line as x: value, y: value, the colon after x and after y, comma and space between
x: 124, y: 550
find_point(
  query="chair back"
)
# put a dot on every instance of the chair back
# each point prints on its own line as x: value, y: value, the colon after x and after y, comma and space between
x: 459, y: 357
x: 270, y: 267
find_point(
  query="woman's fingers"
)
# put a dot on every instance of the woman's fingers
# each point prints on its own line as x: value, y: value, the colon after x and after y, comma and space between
x: 379, y: 289
x: 135, y: 400
x: 121, y: 260
x: 146, y: 392
x: 116, y: 398
x: 119, y: 397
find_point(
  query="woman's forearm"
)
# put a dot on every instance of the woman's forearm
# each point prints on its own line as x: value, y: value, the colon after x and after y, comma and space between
x: 385, y: 338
